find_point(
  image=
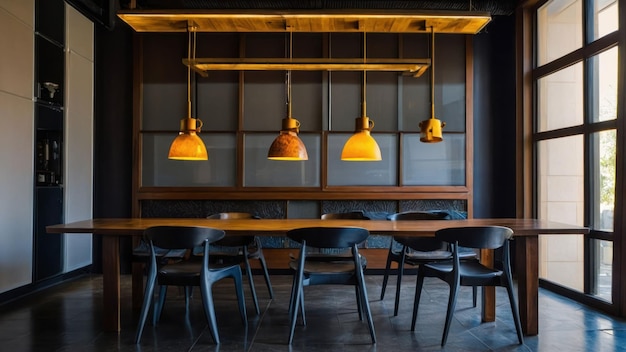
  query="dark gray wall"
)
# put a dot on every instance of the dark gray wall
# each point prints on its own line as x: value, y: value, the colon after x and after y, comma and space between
x: 113, y: 129
x: 494, y: 119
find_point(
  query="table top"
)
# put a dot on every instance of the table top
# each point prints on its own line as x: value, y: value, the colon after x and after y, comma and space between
x: 135, y: 226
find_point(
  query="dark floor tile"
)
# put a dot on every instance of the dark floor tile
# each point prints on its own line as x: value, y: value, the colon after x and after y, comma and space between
x: 68, y: 318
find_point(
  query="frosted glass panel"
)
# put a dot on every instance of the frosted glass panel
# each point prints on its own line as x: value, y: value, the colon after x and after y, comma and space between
x: 368, y: 173
x: 261, y: 172
x: 219, y: 170
x: 433, y: 164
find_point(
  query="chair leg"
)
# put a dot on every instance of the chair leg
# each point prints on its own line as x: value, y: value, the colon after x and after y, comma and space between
x: 365, y: 302
x: 418, y: 295
x: 396, y: 304
x: 474, y: 295
x: 387, y: 270
x: 516, y: 319
x: 302, y: 314
x: 251, y: 282
x: 145, y: 307
x: 454, y: 288
x: 209, y: 309
x: 292, y: 296
x: 158, y: 305
x: 188, y: 291
x: 241, y: 300
x: 266, y: 274
x: 296, y: 304
x: 359, y: 304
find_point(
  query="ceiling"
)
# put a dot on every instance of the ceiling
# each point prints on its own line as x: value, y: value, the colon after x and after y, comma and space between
x: 494, y: 7
x: 462, y: 17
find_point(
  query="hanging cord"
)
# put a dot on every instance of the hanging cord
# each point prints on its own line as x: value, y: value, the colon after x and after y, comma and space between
x: 363, y: 92
x: 289, y: 75
x: 189, y: 29
x: 432, y: 73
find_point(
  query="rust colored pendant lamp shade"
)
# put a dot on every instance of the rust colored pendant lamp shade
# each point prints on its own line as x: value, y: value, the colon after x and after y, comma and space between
x: 188, y: 145
x: 431, y: 129
x: 361, y: 146
x: 288, y: 146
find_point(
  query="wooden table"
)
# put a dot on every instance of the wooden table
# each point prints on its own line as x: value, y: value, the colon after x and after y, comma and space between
x: 526, y: 247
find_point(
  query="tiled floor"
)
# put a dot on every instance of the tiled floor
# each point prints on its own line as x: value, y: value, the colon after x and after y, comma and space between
x: 68, y: 318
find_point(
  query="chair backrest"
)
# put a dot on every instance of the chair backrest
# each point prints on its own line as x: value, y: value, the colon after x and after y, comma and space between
x: 234, y: 241
x: 487, y: 237
x: 422, y: 244
x: 347, y: 215
x: 232, y: 215
x: 420, y: 215
x: 329, y: 237
x: 181, y: 237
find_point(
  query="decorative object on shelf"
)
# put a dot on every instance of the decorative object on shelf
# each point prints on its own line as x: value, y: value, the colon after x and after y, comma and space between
x: 51, y: 87
x: 431, y: 129
x: 188, y: 145
x: 288, y: 146
x: 361, y: 146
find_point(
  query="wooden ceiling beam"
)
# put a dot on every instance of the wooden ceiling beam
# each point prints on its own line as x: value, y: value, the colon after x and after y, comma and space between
x: 378, y: 21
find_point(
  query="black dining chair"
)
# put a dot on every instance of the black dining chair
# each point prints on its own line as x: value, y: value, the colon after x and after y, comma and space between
x: 328, y: 270
x: 238, y: 245
x: 415, y: 251
x: 458, y: 272
x: 186, y: 273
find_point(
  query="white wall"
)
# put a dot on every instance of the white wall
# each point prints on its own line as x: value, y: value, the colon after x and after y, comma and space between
x: 16, y: 142
x: 79, y: 65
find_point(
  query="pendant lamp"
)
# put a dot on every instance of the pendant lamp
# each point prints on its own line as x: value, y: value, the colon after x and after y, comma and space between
x: 361, y: 146
x: 188, y: 145
x: 431, y: 129
x: 287, y: 145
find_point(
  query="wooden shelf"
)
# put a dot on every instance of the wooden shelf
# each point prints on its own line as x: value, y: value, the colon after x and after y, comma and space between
x: 413, y: 67
x: 327, y: 21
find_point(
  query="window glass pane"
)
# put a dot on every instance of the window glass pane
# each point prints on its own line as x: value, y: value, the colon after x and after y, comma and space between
x: 359, y: 173
x: 560, y: 99
x: 217, y: 100
x: 602, y: 265
x: 605, y: 18
x: 559, y: 29
x: 603, y: 163
x: 261, y: 172
x: 264, y: 103
x: 604, y: 81
x: 158, y: 170
x: 561, y: 198
x: 441, y: 164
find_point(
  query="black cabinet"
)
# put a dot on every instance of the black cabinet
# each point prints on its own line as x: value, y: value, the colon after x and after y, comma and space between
x: 48, y: 249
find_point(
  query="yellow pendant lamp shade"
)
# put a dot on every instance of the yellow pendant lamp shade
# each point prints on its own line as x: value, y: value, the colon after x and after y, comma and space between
x: 431, y: 130
x: 361, y: 146
x: 188, y: 145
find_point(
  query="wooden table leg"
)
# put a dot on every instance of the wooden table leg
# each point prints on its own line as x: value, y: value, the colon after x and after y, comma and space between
x: 111, y: 283
x: 527, y: 271
x: 137, y: 280
x: 488, y: 292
